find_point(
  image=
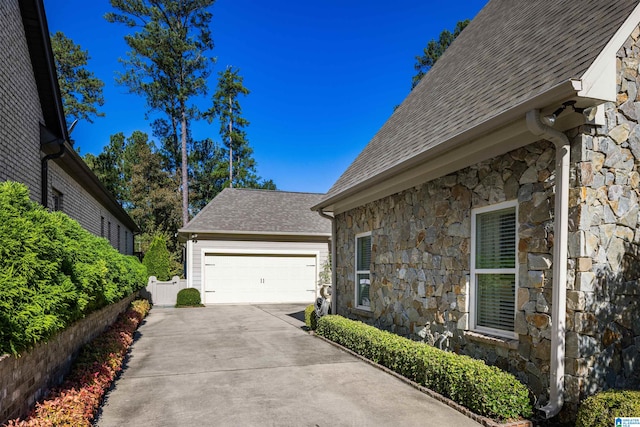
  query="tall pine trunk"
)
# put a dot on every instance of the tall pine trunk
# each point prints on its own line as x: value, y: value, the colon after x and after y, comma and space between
x: 185, y: 170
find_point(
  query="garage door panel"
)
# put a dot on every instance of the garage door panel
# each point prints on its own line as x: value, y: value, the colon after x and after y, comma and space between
x: 259, y: 278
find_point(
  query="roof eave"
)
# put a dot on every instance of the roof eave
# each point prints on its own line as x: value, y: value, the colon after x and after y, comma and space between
x: 552, y: 97
x: 253, y: 233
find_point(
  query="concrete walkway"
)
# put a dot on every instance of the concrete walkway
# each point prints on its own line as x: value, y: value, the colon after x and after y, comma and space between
x: 254, y: 366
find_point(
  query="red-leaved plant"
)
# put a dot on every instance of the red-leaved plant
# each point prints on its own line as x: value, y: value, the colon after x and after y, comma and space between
x: 76, y: 402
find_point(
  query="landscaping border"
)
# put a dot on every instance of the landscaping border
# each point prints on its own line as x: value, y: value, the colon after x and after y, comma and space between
x: 25, y: 379
x: 487, y: 422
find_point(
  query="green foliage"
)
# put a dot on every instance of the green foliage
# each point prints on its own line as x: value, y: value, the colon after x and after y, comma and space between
x: 81, y: 90
x: 157, y: 259
x: 168, y: 63
x: 226, y: 108
x: 77, y: 401
x: 600, y: 410
x: 52, y: 271
x: 485, y: 390
x: 310, y: 318
x: 434, y: 50
x: 188, y: 297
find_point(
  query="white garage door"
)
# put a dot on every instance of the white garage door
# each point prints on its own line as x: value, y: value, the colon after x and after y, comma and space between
x: 259, y: 278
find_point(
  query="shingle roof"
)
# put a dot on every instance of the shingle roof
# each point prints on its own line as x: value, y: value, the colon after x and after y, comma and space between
x: 512, y: 51
x: 237, y: 210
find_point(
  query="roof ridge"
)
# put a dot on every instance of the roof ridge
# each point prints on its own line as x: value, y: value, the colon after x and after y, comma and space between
x: 274, y: 191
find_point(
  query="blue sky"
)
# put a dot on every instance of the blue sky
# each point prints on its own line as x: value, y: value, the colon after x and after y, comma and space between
x: 324, y: 76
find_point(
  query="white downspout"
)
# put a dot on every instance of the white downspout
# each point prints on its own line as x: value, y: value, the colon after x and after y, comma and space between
x: 560, y: 225
x: 189, y: 269
x: 334, y: 285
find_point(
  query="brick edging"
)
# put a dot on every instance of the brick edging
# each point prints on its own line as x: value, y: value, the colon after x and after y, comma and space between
x: 487, y: 422
x: 27, y: 378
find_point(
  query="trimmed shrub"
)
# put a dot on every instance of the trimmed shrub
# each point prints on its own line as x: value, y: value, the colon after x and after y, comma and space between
x: 602, y: 409
x: 310, y: 318
x: 76, y: 401
x: 188, y: 297
x: 157, y: 259
x: 485, y: 390
x: 52, y: 271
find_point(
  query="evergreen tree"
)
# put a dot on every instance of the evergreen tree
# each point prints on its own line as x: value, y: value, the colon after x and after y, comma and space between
x: 109, y: 167
x: 226, y: 108
x: 167, y: 62
x: 81, y: 90
x: 434, y: 50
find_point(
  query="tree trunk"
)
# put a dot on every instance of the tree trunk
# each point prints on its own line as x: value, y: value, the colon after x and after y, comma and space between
x: 185, y: 171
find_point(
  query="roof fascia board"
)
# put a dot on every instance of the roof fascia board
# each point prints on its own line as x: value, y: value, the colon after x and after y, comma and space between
x: 599, y: 81
x: 508, y: 138
x: 252, y: 233
x: 492, y: 132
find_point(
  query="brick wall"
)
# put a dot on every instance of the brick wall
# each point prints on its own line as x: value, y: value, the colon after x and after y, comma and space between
x: 20, y: 112
x: 26, y: 379
x: 82, y: 206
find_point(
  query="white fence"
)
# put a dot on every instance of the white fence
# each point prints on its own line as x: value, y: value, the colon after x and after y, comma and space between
x: 164, y: 293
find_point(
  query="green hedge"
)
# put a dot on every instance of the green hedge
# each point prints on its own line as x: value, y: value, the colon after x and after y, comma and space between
x: 603, y: 408
x: 485, y: 390
x: 157, y: 259
x: 188, y: 297
x: 52, y: 271
x: 310, y: 318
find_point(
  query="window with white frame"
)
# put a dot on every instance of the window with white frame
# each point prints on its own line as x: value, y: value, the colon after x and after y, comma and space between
x: 494, y: 242
x: 363, y: 272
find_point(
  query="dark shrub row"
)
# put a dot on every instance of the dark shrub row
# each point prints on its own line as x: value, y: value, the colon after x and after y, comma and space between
x: 602, y: 409
x: 52, y: 271
x: 76, y: 402
x: 485, y: 390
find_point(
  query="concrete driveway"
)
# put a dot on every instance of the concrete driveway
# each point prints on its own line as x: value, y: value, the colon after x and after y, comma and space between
x: 253, y: 365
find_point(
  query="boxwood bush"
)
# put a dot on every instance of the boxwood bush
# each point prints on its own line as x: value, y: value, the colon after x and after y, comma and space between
x: 52, y: 271
x: 603, y: 408
x: 310, y: 318
x: 485, y: 390
x: 188, y: 297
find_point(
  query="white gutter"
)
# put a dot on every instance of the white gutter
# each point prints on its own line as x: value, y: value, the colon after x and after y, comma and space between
x: 560, y: 225
x: 334, y: 285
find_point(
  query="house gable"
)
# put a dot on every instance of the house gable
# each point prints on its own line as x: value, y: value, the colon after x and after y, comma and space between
x: 512, y: 58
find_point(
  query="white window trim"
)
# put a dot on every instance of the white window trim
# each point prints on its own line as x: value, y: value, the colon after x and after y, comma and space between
x: 355, y: 277
x: 472, y: 289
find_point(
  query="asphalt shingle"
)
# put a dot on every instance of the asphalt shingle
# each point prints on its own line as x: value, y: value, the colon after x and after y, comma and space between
x: 512, y: 51
x: 238, y: 210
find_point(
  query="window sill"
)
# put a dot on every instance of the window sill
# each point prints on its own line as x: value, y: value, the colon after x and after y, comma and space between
x: 510, y: 343
x: 360, y: 311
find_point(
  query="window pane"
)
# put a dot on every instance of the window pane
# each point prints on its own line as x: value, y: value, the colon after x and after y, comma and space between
x: 496, y: 300
x: 364, y: 253
x: 363, y: 285
x: 496, y: 239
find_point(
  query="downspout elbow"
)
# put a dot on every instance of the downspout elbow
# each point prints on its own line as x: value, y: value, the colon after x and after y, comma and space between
x: 334, y: 286
x: 44, y: 163
x: 561, y: 221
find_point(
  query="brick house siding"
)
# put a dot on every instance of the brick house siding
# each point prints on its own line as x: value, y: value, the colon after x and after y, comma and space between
x: 19, y: 106
x: 22, y: 119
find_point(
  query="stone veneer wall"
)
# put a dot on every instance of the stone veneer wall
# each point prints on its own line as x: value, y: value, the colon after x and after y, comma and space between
x: 420, y: 260
x: 603, y: 305
x: 421, y: 246
x: 26, y: 379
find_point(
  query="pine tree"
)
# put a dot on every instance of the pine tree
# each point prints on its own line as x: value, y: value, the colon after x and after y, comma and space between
x: 228, y: 111
x: 434, y: 50
x: 81, y: 90
x: 167, y: 62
